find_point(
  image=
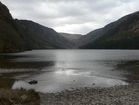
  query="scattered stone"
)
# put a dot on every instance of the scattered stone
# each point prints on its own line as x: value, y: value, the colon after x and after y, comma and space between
x: 118, y: 95
x: 24, y: 97
x: 19, y: 97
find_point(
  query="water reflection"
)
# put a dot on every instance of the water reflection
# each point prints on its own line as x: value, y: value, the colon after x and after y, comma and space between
x: 131, y: 69
x: 65, y: 72
x: 56, y: 70
x: 12, y: 70
x: 10, y: 63
x: 68, y: 79
x: 24, y: 65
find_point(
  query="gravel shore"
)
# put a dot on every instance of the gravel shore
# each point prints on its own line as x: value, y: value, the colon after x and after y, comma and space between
x: 118, y: 95
x: 19, y: 97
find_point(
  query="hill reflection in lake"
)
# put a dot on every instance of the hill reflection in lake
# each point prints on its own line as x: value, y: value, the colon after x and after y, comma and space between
x: 56, y: 70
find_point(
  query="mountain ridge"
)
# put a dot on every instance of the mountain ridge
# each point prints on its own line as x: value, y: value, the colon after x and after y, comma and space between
x: 73, y: 38
x: 21, y: 35
x: 121, y: 34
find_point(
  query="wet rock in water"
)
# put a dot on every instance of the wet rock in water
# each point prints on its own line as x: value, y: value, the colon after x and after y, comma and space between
x: 33, y: 82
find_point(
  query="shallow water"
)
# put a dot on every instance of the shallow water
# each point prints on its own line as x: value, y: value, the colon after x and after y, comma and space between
x: 56, y: 70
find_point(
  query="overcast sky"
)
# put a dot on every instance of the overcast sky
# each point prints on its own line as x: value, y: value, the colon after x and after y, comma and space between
x: 72, y: 16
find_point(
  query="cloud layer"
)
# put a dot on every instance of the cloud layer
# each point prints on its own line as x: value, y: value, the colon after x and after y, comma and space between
x: 72, y: 16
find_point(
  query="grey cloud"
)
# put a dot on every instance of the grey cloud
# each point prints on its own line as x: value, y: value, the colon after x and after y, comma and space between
x: 74, y: 16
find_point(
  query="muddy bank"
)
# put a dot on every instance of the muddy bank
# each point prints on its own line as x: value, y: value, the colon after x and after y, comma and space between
x: 19, y: 97
x: 119, y: 95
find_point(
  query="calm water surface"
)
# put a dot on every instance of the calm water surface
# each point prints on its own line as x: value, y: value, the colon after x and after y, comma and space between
x: 56, y: 70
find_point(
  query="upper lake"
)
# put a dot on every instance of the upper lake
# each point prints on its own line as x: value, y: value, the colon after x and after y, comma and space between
x: 57, y: 70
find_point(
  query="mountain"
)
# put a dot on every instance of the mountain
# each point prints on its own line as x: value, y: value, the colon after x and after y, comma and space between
x: 121, y: 34
x: 90, y: 37
x: 73, y: 38
x: 10, y: 39
x: 21, y: 35
x: 41, y: 37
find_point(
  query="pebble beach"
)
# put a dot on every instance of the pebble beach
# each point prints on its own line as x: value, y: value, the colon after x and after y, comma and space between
x: 117, y: 95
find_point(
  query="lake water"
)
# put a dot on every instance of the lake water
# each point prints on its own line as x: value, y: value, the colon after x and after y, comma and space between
x: 57, y: 70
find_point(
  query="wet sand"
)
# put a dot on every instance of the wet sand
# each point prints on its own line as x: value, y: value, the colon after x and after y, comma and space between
x: 118, y: 95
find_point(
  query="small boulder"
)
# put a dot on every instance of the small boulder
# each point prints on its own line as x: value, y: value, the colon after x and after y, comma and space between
x: 33, y: 82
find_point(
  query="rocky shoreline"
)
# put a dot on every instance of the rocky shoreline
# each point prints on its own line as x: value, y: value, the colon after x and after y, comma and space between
x: 118, y: 95
x: 19, y: 97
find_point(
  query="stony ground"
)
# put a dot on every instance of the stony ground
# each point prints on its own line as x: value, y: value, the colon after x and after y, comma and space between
x: 120, y: 95
x: 19, y: 97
